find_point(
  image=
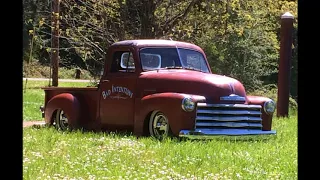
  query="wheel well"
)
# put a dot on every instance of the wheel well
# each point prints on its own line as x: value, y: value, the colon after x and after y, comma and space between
x: 146, y: 124
x: 53, y: 116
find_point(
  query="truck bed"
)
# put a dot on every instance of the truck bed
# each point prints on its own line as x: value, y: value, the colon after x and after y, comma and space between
x: 71, y: 88
x: 87, y: 96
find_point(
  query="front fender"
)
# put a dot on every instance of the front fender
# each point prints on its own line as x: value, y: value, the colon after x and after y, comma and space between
x: 266, y: 118
x: 68, y: 103
x: 170, y: 104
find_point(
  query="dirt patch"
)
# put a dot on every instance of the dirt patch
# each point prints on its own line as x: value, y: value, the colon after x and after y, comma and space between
x: 32, y: 123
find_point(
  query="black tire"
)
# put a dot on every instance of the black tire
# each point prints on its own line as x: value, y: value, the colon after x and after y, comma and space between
x: 159, y: 127
x: 61, y: 121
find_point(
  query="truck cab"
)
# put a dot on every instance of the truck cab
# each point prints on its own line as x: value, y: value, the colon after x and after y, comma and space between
x: 160, y: 88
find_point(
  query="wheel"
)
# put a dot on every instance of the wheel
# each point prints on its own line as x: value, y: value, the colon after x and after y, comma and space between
x: 159, y: 125
x: 61, y: 121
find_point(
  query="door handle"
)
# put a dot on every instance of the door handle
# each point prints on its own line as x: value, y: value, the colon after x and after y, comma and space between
x: 105, y: 80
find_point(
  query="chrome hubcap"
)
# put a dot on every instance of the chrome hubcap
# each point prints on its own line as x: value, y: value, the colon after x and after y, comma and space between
x: 160, y: 125
x: 63, y: 120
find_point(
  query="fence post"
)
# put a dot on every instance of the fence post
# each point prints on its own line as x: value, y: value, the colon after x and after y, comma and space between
x: 285, y: 64
x: 78, y: 73
x: 55, y: 41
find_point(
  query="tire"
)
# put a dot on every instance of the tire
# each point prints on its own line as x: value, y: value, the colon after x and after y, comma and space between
x: 159, y: 127
x: 61, y: 121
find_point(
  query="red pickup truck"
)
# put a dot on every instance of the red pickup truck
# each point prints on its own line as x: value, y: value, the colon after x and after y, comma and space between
x: 159, y: 88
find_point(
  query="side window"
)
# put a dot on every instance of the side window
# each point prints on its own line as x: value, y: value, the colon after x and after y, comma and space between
x: 122, y: 62
x: 127, y: 61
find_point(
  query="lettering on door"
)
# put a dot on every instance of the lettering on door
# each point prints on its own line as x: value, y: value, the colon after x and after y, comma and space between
x: 117, y: 92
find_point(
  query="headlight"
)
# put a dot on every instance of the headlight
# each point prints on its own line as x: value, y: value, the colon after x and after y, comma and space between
x: 188, y: 104
x: 269, y: 107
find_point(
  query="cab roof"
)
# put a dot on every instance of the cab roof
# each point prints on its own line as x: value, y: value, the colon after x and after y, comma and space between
x: 156, y: 43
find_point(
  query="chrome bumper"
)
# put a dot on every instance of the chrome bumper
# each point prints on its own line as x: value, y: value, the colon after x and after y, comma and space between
x: 228, y: 132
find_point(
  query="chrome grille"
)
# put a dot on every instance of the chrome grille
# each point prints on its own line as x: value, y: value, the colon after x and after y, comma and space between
x: 228, y: 116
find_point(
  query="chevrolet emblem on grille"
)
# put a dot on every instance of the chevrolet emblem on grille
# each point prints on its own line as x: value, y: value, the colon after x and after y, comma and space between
x: 232, y: 97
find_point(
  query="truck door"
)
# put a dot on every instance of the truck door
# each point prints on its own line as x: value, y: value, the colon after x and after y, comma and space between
x: 117, y: 90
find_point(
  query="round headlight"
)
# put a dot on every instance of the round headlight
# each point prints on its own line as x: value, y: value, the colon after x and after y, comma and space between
x: 269, y: 107
x: 188, y: 104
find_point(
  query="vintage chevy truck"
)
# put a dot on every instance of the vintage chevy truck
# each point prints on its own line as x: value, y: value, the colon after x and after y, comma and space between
x: 159, y: 88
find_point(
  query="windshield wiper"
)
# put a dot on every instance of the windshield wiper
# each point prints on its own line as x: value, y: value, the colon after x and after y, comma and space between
x: 168, y: 67
x: 192, y: 68
x: 173, y: 67
x: 179, y: 67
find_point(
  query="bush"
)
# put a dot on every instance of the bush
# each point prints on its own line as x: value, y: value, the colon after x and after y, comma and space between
x: 271, y: 91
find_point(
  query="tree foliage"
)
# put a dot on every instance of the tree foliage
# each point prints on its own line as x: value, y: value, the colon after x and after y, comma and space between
x: 241, y: 38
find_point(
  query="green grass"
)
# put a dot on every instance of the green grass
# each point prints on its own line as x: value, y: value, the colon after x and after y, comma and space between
x: 51, y: 154
x: 33, y: 97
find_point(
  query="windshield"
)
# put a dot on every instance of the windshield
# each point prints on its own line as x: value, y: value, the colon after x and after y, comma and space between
x: 172, y: 58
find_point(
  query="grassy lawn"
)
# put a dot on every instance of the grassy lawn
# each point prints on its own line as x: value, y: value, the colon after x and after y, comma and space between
x: 51, y: 154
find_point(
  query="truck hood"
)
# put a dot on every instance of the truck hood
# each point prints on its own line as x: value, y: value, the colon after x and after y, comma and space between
x: 211, y: 86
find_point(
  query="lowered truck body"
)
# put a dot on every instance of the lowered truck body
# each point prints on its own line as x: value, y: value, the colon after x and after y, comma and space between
x: 160, y: 88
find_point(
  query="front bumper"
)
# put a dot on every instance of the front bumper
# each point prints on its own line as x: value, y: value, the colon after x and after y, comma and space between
x: 227, y: 132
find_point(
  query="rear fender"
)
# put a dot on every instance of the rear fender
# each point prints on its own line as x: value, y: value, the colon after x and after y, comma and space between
x: 68, y: 103
x: 170, y: 104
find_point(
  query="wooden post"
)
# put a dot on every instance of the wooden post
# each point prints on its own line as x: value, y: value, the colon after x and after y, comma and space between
x: 285, y: 64
x: 78, y: 73
x: 55, y: 41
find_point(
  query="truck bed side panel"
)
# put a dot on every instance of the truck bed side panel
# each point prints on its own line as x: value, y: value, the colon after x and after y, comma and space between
x: 88, y: 98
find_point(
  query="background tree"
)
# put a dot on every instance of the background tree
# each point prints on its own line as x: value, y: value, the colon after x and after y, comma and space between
x: 241, y: 38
